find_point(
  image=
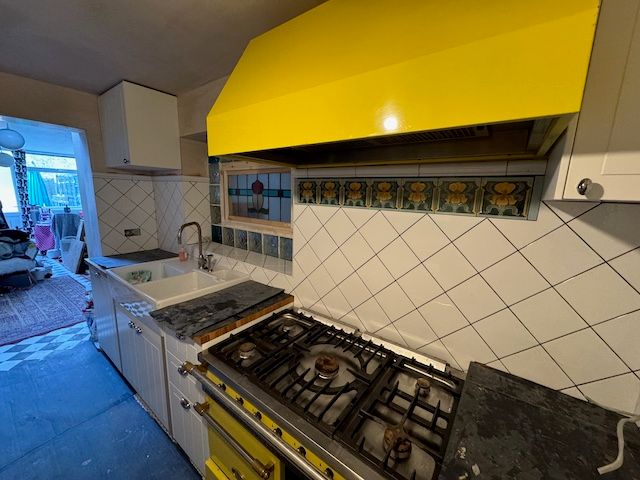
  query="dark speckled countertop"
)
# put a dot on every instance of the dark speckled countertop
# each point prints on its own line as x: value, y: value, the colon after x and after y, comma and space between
x: 510, y: 428
x: 123, y: 259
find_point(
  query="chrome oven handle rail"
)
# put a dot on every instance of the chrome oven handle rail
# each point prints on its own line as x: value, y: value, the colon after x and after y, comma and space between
x: 252, y: 422
x: 264, y: 471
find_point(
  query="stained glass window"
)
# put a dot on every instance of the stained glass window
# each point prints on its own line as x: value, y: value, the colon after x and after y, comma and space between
x: 261, y: 195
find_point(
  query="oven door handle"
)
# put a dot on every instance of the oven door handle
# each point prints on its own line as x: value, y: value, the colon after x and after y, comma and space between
x: 217, y: 393
x: 264, y: 471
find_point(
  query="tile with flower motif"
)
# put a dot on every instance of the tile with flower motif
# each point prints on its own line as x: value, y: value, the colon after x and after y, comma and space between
x: 307, y: 190
x: 329, y: 192
x: 458, y: 195
x: 507, y: 197
x: 355, y: 193
x: 418, y: 194
x: 384, y: 193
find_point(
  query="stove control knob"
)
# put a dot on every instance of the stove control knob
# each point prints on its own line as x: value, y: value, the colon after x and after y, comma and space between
x: 277, y: 431
x: 302, y: 451
x: 329, y: 472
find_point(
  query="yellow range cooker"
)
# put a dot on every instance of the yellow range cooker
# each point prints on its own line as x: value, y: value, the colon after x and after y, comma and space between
x: 291, y: 397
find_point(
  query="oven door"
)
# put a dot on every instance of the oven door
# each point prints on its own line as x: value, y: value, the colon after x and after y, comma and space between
x: 238, y: 454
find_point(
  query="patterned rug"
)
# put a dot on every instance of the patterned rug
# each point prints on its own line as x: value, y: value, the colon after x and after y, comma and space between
x: 50, y: 304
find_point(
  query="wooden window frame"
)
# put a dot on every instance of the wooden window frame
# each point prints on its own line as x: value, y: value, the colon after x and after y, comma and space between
x: 255, y: 224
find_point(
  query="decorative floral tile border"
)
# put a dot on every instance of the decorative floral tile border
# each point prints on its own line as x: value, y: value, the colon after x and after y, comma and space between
x: 516, y: 197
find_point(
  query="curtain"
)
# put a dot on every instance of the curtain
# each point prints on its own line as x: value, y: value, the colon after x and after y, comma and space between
x: 22, y: 190
x: 37, y: 190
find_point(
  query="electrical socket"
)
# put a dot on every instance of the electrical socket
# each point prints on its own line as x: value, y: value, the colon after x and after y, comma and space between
x: 132, y: 232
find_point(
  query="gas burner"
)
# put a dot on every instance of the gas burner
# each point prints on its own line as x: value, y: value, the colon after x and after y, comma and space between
x: 423, y: 386
x: 290, y: 326
x: 327, y: 367
x: 396, y: 443
x: 246, y: 350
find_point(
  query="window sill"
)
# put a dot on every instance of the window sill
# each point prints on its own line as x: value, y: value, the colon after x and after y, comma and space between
x: 256, y: 227
x: 257, y: 259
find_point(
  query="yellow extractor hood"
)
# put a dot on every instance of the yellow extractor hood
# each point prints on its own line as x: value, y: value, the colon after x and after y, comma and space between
x: 361, y: 70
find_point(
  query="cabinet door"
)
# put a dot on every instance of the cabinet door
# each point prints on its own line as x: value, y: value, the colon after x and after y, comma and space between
x: 187, y: 427
x: 104, y: 316
x: 126, y: 332
x: 114, y: 129
x: 151, y: 118
x: 153, y: 384
x: 606, y: 148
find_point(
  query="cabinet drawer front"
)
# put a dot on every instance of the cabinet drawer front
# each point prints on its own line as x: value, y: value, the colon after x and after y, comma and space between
x: 226, y: 457
x: 188, y: 428
x: 213, y: 471
x: 185, y: 383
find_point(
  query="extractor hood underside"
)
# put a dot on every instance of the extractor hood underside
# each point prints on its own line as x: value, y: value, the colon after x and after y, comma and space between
x: 516, y: 140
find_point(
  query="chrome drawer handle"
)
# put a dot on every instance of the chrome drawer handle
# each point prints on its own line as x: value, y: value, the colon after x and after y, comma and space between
x: 182, y: 371
x: 262, y: 432
x: 138, y: 330
x: 185, y: 403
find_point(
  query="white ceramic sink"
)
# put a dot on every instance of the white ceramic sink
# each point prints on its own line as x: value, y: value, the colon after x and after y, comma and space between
x: 175, y: 282
x: 159, y: 269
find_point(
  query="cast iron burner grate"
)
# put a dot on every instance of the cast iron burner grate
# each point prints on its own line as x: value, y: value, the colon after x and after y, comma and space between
x: 392, y: 411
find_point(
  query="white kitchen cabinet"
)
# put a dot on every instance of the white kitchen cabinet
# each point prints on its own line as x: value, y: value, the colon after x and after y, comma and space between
x: 602, y: 148
x: 139, y: 128
x: 104, y: 315
x: 143, y: 362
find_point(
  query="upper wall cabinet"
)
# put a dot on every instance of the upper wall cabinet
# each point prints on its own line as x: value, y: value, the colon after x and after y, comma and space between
x: 600, y: 159
x: 139, y: 128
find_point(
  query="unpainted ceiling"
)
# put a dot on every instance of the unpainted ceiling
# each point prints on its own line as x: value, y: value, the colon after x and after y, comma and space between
x: 170, y: 45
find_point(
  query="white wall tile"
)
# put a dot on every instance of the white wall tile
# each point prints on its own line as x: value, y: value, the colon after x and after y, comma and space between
x: 455, y: 225
x: 336, y: 304
x: 321, y: 281
x: 607, y: 228
x: 359, y: 216
x: 449, y: 267
x: 424, y: 238
x: 475, y: 299
x: 401, y: 220
x: 547, y: 316
x: 356, y: 250
x: 439, y: 351
x: 308, y: 224
x: 599, y: 294
x: 504, y: 333
x: 620, y: 393
x: 378, y: 232
x: 322, y: 244
x: 375, y: 275
x: 466, y: 345
x: 567, y: 211
x: 584, y: 357
x: 484, y: 245
x: 340, y: 227
x: 391, y: 334
x: 524, y: 232
x: 338, y: 266
x: 560, y: 255
x: 536, y: 365
x: 622, y: 334
x: 323, y: 212
x: 514, y: 279
x: 372, y: 316
x: 415, y: 331
x: 354, y: 290
x: 443, y: 316
x: 398, y: 258
x: 394, y: 301
x: 419, y: 285
x: 628, y: 265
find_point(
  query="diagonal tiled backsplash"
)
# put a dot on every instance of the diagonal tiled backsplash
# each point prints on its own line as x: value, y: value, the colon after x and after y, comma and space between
x: 555, y: 300
x: 123, y: 202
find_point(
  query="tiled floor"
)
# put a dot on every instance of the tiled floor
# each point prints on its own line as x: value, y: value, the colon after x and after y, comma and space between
x: 66, y: 413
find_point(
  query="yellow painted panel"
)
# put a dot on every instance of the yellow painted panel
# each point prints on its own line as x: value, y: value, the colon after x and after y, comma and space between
x: 340, y: 70
x: 224, y: 420
x: 213, y: 471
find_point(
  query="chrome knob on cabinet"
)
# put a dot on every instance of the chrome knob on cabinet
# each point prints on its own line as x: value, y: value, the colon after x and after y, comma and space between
x: 138, y: 330
x: 131, y: 324
x: 185, y: 403
x: 125, y: 160
x: 583, y: 186
x: 183, y: 371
